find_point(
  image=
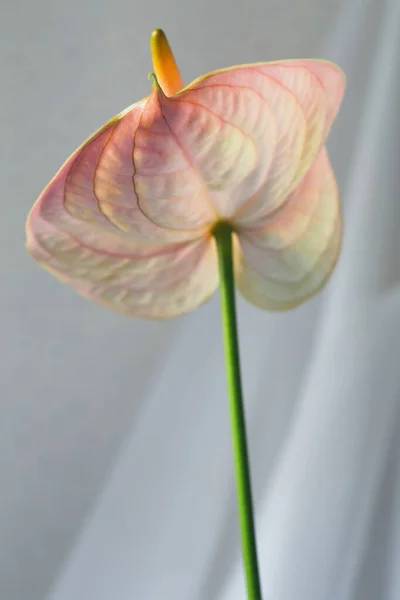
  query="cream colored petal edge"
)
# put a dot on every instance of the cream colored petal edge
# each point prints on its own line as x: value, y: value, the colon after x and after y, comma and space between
x: 288, y: 61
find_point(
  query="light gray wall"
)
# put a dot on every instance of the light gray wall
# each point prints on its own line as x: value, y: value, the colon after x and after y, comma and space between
x: 115, y: 472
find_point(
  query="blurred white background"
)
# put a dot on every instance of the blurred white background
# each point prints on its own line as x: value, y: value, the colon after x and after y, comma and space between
x: 116, y: 479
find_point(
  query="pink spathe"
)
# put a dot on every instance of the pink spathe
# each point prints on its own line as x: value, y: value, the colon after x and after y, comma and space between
x: 128, y: 219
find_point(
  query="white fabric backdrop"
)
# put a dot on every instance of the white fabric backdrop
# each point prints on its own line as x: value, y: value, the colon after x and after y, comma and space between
x: 116, y: 471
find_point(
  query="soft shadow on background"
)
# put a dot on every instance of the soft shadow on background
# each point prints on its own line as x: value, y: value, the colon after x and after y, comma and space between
x: 116, y: 476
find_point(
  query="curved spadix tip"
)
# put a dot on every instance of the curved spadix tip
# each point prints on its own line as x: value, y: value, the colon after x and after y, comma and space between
x: 153, y: 76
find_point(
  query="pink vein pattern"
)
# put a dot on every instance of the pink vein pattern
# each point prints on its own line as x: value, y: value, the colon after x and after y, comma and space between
x: 128, y: 219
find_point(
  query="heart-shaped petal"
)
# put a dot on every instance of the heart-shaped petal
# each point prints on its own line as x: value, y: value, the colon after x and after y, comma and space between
x: 290, y: 258
x: 128, y: 219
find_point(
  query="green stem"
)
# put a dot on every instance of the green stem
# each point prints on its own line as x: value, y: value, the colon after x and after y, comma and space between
x: 223, y: 237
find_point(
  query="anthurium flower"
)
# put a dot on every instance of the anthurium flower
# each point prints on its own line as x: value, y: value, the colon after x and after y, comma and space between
x: 128, y: 221
x: 227, y: 179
